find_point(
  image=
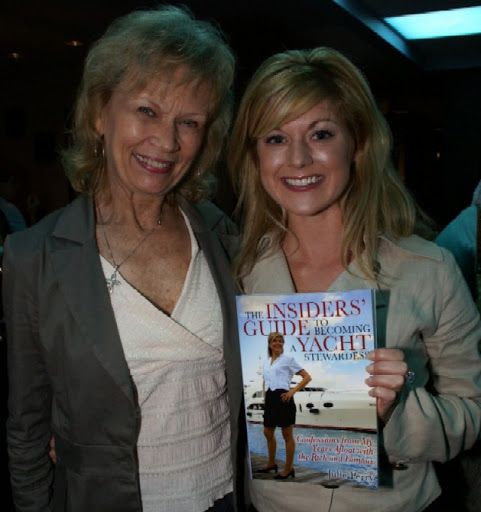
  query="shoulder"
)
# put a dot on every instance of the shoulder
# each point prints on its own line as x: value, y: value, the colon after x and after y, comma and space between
x: 415, y: 259
x: 271, y: 272
x: 205, y: 215
x: 24, y: 251
x: 412, y: 247
x: 215, y: 218
x: 34, y: 236
x: 64, y: 222
x: 288, y: 360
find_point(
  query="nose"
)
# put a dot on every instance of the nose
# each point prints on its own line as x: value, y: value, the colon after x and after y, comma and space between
x: 299, y: 154
x: 167, y: 136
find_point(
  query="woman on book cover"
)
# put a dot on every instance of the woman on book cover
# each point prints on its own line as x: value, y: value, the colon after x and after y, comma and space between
x: 280, y: 408
x: 325, y: 210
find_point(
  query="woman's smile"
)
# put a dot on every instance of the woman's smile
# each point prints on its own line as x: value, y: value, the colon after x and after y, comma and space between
x: 305, y: 164
x: 303, y: 183
x: 153, y: 164
x: 153, y: 135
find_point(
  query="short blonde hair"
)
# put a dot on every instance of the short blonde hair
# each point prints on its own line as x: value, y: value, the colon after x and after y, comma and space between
x: 284, y: 87
x: 270, y: 337
x: 145, y: 44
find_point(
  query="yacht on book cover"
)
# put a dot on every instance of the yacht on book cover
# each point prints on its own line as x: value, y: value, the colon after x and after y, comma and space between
x: 317, y: 406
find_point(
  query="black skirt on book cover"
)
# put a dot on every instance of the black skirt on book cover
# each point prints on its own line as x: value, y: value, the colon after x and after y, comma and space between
x: 276, y: 412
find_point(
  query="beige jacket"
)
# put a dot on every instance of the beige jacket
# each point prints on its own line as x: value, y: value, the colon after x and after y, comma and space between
x: 432, y: 318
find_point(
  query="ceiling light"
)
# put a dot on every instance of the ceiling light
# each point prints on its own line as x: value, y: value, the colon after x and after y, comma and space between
x: 430, y: 25
x: 74, y: 42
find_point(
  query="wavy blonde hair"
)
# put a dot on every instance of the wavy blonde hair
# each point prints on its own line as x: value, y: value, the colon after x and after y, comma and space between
x: 146, y: 44
x: 375, y: 202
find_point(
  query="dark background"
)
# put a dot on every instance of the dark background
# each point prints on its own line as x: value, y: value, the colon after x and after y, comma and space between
x: 432, y: 98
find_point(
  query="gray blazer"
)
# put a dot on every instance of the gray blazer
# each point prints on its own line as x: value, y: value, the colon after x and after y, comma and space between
x: 67, y: 371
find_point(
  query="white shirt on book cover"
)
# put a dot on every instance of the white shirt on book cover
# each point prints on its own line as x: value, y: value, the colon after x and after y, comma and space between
x: 278, y: 374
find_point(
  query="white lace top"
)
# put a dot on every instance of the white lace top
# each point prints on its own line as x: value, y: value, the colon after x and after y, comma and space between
x: 178, y: 367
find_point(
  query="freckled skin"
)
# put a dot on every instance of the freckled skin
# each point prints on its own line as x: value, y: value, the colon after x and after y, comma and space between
x: 152, y: 135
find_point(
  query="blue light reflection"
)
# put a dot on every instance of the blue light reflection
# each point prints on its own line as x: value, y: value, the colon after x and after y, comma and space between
x: 430, y: 25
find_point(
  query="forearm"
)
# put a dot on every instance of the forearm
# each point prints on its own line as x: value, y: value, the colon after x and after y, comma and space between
x: 439, y: 415
x: 424, y: 427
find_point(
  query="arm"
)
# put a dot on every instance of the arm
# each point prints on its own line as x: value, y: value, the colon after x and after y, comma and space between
x: 439, y: 415
x: 28, y: 425
x: 306, y: 378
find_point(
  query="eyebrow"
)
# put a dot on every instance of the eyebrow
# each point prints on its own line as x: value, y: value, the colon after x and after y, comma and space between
x: 312, y: 124
x: 183, y: 114
x: 322, y: 120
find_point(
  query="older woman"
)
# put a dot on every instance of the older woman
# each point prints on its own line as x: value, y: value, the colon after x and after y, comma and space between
x: 325, y: 211
x: 120, y: 336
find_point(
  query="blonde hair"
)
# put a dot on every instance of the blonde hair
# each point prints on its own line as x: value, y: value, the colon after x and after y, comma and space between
x: 146, y: 44
x: 376, y: 202
x: 270, y: 337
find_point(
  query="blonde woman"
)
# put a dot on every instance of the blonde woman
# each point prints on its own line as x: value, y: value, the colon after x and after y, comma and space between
x: 121, y: 334
x: 280, y: 408
x: 324, y: 210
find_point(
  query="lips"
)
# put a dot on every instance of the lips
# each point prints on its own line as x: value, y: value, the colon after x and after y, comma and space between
x: 303, y: 182
x: 153, y: 164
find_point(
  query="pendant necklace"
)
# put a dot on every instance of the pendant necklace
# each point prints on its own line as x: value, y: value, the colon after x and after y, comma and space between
x: 113, y: 281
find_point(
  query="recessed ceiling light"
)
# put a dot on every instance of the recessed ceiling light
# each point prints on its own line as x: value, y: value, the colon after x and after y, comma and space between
x: 436, y: 24
x: 74, y: 42
x: 14, y: 56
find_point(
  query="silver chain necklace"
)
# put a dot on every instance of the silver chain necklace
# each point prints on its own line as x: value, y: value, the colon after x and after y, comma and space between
x: 113, y: 281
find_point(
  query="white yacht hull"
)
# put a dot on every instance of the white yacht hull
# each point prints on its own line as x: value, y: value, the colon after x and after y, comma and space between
x: 348, y: 410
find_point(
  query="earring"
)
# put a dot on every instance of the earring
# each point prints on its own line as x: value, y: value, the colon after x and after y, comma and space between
x: 99, y: 150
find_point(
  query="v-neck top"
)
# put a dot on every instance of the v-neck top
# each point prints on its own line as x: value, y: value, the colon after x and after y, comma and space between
x: 178, y: 368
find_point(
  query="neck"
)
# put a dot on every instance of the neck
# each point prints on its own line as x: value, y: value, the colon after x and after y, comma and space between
x: 142, y: 212
x: 315, y: 238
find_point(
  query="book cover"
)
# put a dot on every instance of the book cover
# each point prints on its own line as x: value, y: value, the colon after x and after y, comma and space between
x: 328, y: 335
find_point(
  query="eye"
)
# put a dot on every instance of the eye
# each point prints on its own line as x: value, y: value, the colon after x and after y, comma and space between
x: 146, y: 110
x: 322, y: 134
x: 192, y: 123
x: 274, y: 139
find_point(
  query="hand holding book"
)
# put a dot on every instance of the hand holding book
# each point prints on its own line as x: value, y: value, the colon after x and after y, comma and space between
x: 387, y: 370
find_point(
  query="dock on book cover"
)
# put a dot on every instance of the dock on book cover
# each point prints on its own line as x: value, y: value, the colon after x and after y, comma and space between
x: 332, y: 420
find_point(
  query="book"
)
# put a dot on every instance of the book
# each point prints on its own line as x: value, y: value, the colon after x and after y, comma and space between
x: 328, y: 335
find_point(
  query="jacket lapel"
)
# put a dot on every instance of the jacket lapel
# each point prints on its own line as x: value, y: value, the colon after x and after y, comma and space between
x: 75, y: 260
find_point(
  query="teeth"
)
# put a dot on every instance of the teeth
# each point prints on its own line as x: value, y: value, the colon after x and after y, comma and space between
x: 302, y: 182
x: 153, y: 163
